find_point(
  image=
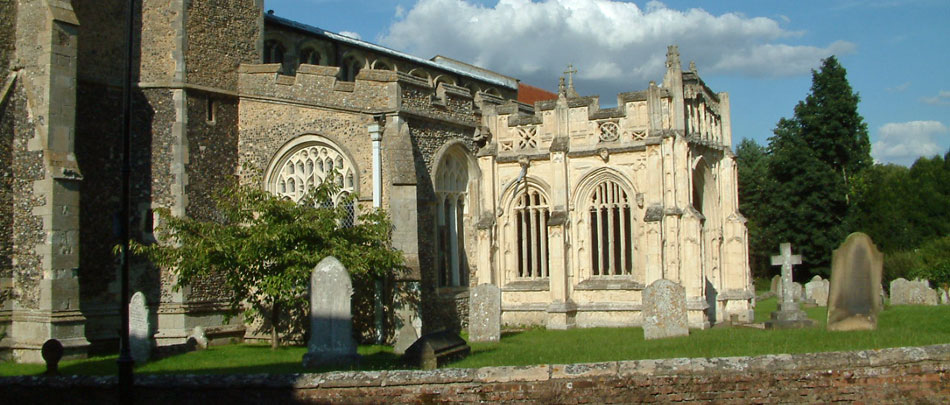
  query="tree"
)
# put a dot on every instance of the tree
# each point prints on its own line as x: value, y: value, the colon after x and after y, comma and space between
x: 815, y: 158
x: 263, y: 248
x: 752, y: 164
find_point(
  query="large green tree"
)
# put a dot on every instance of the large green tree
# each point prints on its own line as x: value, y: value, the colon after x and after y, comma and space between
x: 815, y: 158
x: 752, y: 162
x: 262, y: 249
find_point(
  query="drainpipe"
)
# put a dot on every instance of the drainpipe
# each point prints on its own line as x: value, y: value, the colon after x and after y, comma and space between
x: 376, y: 135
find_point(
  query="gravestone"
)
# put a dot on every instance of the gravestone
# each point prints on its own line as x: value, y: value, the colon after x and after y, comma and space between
x: 52, y: 352
x: 789, y: 315
x: 944, y: 296
x: 435, y: 349
x: 140, y: 337
x: 408, y: 320
x: 484, y: 324
x: 664, y: 310
x: 817, y: 291
x: 854, y: 298
x: 331, y: 320
x: 917, y: 292
x: 776, y: 286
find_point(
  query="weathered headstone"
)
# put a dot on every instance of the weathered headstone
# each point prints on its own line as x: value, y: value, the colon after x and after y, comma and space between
x: 664, y: 310
x: 408, y: 320
x: 776, y: 286
x: 140, y: 337
x: 944, y: 296
x: 484, y: 324
x: 854, y: 299
x: 437, y: 348
x: 331, y: 320
x: 817, y: 290
x: 789, y: 315
x: 917, y: 292
x: 199, y: 338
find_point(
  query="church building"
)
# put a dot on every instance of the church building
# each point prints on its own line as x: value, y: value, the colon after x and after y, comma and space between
x: 570, y: 209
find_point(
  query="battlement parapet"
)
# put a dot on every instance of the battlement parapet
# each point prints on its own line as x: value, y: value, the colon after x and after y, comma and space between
x: 371, y: 91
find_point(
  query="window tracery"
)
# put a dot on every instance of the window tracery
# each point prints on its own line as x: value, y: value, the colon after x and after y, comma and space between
x: 307, y: 167
x: 451, y: 187
x: 611, y: 230
x: 531, y: 214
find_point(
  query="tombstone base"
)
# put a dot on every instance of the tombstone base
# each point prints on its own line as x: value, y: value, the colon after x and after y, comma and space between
x: 843, y: 323
x: 312, y: 360
x: 789, y: 319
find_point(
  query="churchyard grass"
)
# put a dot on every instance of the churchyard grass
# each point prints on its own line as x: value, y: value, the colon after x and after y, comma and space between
x: 897, y: 326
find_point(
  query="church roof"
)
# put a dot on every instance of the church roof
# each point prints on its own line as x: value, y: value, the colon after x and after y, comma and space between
x: 479, y: 74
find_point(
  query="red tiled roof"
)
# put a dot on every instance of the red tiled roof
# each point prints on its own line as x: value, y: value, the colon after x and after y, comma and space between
x: 529, y: 94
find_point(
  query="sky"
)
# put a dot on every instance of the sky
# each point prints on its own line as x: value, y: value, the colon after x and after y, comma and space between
x: 761, y: 52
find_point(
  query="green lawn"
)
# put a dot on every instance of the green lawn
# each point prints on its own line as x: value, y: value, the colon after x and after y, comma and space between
x: 897, y: 326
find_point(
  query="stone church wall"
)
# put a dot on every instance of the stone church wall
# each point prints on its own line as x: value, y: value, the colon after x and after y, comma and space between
x: 221, y: 34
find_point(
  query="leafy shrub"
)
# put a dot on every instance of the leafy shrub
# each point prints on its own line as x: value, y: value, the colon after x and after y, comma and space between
x: 904, y: 263
x: 934, y: 257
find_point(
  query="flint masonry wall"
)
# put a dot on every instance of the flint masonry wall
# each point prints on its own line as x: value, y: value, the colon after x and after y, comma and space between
x: 897, y: 375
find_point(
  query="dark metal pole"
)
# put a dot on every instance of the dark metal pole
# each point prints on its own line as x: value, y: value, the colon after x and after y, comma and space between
x: 125, y: 361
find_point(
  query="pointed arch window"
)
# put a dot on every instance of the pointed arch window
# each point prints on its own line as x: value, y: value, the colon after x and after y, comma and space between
x: 531, y: 215
x: 451, y: 191
x: 274, y: 51
x: 611, y: 230
x: 307, y: 166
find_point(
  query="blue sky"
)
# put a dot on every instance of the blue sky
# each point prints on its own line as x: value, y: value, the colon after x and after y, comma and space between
x: 761, y: 52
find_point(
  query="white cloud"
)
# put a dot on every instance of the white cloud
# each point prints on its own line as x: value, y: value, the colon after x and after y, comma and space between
x: 616, y: 46
x: 350, y: 34
x: 899, y: 88
x: 942, y: 98
x: 904, y: 142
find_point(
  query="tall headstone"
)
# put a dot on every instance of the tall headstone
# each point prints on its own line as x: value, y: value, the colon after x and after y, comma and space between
x: 484, y: 323
x: 664, y: 310
x: 408, y: 319
x: 944, y: 296
x: 331, y: 320
x: 854, y: 299
x: 789, y: 315
x: 140, y: 337
x: 917, y: 292
x: 817, y: 290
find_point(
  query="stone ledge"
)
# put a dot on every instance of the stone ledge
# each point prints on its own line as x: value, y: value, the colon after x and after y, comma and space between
x: 676, y: 367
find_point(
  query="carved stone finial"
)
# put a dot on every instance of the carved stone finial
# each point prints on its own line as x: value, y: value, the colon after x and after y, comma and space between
x: 692, y: 66
x: 561, y: 89
x: 673, y: 57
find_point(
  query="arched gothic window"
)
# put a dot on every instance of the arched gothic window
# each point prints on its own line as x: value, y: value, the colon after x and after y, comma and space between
x: 308, y: 165
x: 274, y: 51
x: 310, y: 56
x: 451, y: 188
x: 531, y: 214
x: 611, y: 230
x: 350, y: 67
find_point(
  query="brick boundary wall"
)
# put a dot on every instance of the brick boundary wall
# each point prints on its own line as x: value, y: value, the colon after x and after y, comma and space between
x: 897, y: 375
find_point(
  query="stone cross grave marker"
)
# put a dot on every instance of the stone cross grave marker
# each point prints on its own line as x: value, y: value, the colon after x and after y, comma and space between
x: 854, y: 298
x: 140, y: 340
x: 664, y: 310
x: 484, y: 323
x: 331, y: 320
x: 788, y: 315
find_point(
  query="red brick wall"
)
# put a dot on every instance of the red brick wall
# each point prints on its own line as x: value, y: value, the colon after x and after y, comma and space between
x: 901, y: 375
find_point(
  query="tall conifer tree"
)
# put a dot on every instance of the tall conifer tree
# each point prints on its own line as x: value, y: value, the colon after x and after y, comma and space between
x: 815, y: 157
